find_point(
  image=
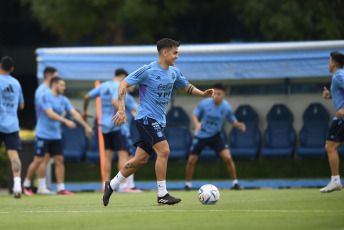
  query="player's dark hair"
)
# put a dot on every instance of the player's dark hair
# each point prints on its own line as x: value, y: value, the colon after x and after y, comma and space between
x: 120, y: 72
x: 6, y: 63
x: 219, y: 86
x: 55, y: 80
x: 167, y: 43
x: 338, y: 59
x: 48, y: 70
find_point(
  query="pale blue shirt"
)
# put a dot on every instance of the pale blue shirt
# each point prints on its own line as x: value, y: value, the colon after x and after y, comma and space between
x: 11, y: 96
x: 156, y: 86
x: 337, y: 90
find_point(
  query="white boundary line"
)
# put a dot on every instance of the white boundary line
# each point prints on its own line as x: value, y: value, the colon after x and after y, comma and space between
x: 159, y: 211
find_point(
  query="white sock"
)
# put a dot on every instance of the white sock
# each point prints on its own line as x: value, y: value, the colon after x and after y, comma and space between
x: 130, y: 182
x: 60, y: 187
x: 27, y: 183
x: 42, y: 183
x: 162, y: 188
x: 116, y: 180
x: 335, y: 179
x: 189, y: 184
x: 17, y: 184
x: 235, y: 181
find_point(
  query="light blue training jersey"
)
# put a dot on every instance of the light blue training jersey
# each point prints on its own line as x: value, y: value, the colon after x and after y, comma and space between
x: 130, y: 104
x: 156, y: 86
x: 41, y: 89
x: 10, y: 97
x: 213, y: 117
x: 46, y: 127
x: 337, y: 90
x: 107, y: 91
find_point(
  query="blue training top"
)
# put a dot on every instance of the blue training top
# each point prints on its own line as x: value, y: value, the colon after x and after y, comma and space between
x: 130, y: 104
x: 10, y: 97
x: 46, y: 127
x: 212, y: 117
x: 156, y: 86
x: 42, y: 89
x: 107, y: 91
x: 337, y: 90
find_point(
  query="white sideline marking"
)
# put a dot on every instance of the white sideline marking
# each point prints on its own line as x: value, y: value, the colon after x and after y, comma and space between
x: 157, y: 211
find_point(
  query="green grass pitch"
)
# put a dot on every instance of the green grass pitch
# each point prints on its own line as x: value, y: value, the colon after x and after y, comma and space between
x: 247, y: 209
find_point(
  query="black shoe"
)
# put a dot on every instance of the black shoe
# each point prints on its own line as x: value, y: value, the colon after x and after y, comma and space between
x: 17, y: 195
x: 187, y: 188
x: 237, y: 187
x: 107, y: 192
x: 167, y: 199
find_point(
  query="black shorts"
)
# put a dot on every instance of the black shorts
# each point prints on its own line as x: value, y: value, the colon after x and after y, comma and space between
x: 53, y: 147
x: 151, y: 132
x: 115, y: 141
x: 12, y: 140
x: 216, y: 142
x: 336, y: 131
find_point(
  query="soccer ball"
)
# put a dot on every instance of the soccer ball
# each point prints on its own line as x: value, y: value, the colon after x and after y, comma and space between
x: 208, y: 194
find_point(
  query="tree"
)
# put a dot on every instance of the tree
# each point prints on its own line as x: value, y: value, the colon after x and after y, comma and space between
x: 280, y: 20
x: 105, y: 20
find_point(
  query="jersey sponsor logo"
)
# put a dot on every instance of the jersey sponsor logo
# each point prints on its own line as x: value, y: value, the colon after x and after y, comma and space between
x: 161, y: 103
x: 166, y: 87
x: 141, y: 71
x: 8, y: 93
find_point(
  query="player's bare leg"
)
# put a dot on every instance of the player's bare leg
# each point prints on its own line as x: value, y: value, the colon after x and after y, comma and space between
x: 333, y: 158
x: 108, y: 164
x: 60, y: 175
x: 37, y: 161
x: 190, y: 167
x: 123, y: 157
x: 227, y: 158
x: 162, y: 150
x: 16, y: 170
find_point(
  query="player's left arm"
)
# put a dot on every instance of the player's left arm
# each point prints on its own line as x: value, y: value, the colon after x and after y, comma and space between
x: 21, y: 100
x: 77, y: 116
x: 239, y: 125
x: 192, y: 90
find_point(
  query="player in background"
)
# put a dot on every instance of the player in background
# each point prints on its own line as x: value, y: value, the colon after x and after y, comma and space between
x: 39, y: 163
x: 114, y: 139
x: 208, y: 118
x: 128, y: 185
x: 48, y: 133
x: 336, y: 132
x: 11, y: 98
x: 156, y: 82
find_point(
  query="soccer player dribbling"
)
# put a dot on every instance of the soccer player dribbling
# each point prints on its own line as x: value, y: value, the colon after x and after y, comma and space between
x: 336, y: 133
x: 156, y: 82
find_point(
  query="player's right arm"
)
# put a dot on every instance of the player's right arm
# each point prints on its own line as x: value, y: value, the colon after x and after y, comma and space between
x: 197, y: 123
x: 88, y: 96
x: 52, y: 115
x: 120, y: 116
x: 326, y: 93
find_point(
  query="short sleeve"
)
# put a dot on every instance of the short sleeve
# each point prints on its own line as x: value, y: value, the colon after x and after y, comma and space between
x: 94, y: 92
x: 21, y: 97
x: 46, y: 102
x: 230, y: 116
x: 137, y: 76
x: 338, y: 80
x: 181, y: 81
x: 68, y: 106
x: 199, y: 109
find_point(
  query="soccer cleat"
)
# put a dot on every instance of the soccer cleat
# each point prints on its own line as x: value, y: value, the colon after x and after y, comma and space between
x: 17, y: 195
x: 44, y: 191
x: 237, y: 187
x: 65, y: 192
x: 107, y: 192
x: 28, y: 191
x: 331, y: 187
x: 168, y: 199
x: 187, y: 188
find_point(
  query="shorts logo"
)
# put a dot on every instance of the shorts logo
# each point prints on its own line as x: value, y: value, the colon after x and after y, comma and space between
x: 159, y: 134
